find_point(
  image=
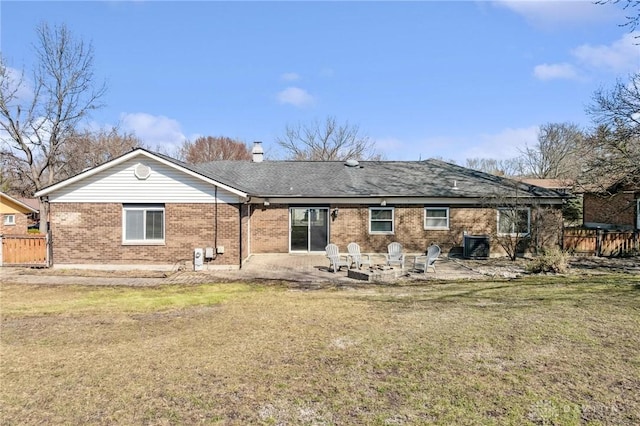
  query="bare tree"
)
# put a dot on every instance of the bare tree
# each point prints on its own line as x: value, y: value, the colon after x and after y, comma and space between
x: 209, y: 148
x: 614, y: 146
x: 508, y: 167
x: 326, y: 142
x: 83, y: 150
x: 63, y: 93
x: 513, y: 228
x: 555, y: 155
x: 632, y: 11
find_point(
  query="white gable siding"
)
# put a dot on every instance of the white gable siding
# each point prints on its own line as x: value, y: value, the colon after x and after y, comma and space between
x: 119, y: 184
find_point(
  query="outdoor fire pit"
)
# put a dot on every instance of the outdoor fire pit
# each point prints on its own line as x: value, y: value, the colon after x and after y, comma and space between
x: 375, y: 273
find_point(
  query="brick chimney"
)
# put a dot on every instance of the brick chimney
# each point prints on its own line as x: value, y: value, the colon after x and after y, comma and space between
x: 257, y: 152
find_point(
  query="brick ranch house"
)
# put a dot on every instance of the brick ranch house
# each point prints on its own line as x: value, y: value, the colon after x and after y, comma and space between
x: 14, y: 215
x: 146, y: 210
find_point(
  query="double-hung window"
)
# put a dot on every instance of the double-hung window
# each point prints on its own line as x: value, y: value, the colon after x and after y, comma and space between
x: 381, y: 220
x: 514, y: 221
x: 143, y: 223
x: 436, y: 218
x: 9, y: 219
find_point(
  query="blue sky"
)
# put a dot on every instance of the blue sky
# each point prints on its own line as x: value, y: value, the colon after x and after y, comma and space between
x: 448, y: 79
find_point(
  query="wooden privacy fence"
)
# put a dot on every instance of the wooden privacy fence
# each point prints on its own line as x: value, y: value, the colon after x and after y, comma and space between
x: 24, y: 250
x: 599, y: 242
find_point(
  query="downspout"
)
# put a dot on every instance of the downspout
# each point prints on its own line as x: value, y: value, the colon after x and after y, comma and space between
x: 215, y: 219
x: 240, y: 235
x: 48, y: 235
x: 240, y: 204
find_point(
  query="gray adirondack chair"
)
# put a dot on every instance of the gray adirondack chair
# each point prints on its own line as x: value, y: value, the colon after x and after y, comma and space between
x: 428, y: 261
x: 356, y: 257
x: 394, y: 255
x: 337, y: 260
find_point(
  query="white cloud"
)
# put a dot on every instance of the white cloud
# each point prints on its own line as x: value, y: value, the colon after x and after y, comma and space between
x: 503, y: 145
x: 553, y: 13
x: 154, y: 130
x: 19, y: 84
x: 621, y: 56
x: 295, y: 96
x: 555, y: 71
x: 290, y: 76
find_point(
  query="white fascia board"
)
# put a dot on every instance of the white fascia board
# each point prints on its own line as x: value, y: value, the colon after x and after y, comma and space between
x: 395, y: 201
x: 127, y: 157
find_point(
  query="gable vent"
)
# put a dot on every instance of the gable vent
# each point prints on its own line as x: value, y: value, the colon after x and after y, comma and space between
x: 141, y: 171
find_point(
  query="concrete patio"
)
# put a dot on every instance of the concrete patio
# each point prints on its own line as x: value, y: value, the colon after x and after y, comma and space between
x: 297, y: 268
x: 315, y: 268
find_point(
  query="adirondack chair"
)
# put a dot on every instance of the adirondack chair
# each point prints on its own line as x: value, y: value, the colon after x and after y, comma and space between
x: 394, y: 255
x: 356, y: 257
x: 337, y: 260
x: 428, y: 261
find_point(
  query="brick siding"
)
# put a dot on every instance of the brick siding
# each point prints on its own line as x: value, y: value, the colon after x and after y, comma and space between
x: 270, y: 228
x: 20, y: 227
x: 91, y: 233
x: 618, y: 209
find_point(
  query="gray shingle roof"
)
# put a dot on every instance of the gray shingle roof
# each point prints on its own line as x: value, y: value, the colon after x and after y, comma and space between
x: 429, y: 178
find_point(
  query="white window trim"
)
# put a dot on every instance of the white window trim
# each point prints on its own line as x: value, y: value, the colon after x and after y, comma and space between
x: 393, y: 219
x: 144, y: 208
x: 441, y: 228
x: 9, y: 219
x: 513, y: 234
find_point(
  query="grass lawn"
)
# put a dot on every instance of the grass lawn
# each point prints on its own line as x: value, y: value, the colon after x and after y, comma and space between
x: 545, y: 350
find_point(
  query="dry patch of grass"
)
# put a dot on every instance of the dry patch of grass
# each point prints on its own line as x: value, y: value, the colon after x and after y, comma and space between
x: 534, y: 351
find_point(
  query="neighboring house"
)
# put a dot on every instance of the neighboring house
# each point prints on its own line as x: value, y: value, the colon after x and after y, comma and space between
x: 149, y: 210
x: 563, y: 186
x: 572, y: 209
x: 16, y: 215
x: 617, y: 207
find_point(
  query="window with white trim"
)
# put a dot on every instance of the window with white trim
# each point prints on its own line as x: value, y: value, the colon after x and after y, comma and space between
x: 143, y: 223
x: 9, y: 219
x: 381, y: 220
x: 514, y: 221
x: 436, y: 218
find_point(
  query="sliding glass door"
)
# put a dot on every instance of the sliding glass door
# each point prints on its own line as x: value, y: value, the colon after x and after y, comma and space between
x: 309, y: 228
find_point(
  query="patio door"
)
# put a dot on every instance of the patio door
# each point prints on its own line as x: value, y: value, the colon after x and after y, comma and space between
x: 309, y: 228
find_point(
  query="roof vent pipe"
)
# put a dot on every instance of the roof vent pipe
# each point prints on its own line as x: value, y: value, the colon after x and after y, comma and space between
x: 257, y: 152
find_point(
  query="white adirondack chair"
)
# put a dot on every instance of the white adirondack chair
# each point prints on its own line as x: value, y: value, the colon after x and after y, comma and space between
x: 356, y: 257
x: 337, y: 260
x: 394, y: 255
x: 428, y: 261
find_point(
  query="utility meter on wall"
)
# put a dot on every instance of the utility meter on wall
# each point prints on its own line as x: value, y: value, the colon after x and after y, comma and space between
x: 198, y: 259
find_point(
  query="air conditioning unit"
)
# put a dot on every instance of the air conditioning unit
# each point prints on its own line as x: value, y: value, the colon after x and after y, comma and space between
x: 476, y: 246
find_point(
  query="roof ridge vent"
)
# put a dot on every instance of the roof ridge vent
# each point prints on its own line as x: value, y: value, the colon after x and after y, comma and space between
x: 351, y: 163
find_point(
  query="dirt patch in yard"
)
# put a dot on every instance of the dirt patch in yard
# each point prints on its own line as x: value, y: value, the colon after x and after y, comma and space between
x: 505, y: 268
